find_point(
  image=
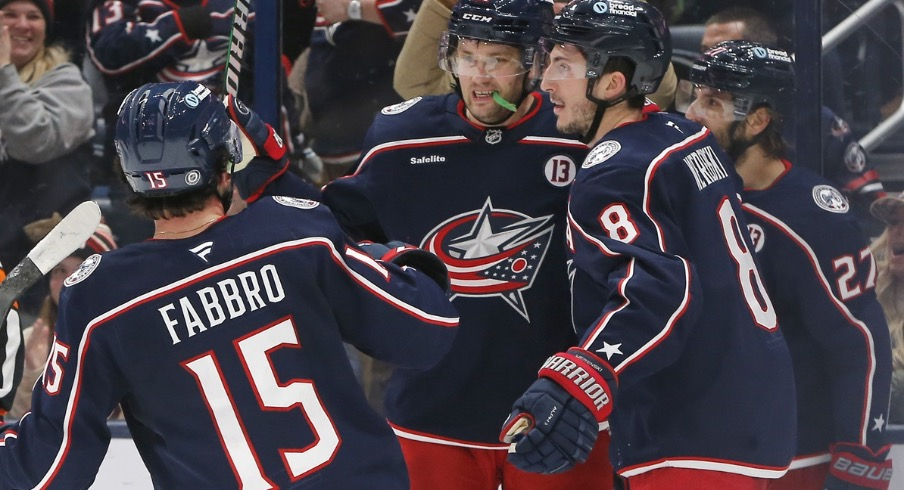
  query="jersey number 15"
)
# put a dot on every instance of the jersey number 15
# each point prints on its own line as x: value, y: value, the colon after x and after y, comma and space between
x: 254, y: 350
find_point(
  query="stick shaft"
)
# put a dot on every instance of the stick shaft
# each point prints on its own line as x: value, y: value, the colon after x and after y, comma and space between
x: 237, y: 44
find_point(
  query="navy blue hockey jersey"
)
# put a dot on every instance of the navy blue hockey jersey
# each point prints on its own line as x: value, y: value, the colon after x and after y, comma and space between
x: 225, y: 352
x: 490, y: 202
x: 146, y: 41
x: 821, y: 276
x: 667, y: 291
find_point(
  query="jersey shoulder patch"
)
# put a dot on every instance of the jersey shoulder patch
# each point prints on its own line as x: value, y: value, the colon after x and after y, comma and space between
x: 83, y: 271
x: 296, y: 202
x: 400, y: 107
x: 830, y: 199
x: 601, y: 152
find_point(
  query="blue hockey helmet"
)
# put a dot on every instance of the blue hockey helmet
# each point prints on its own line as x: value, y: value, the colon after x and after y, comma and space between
x: 520, y: 23
x: 753, y: 73
x: 606, y: 29
x: 170, y: 138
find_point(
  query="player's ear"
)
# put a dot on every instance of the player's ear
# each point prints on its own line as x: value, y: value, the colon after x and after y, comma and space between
x: 615, y: 84
x: 224, y: 179
x: 758, y: 120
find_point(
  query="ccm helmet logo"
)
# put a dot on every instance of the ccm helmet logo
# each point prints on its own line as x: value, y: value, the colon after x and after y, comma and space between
x: 477, y: 18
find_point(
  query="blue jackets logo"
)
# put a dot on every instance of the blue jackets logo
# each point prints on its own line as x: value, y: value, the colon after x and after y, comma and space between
x: 830, y: 199
x: 400, y: 107
x: 83, y: 270
x: 492, y: 252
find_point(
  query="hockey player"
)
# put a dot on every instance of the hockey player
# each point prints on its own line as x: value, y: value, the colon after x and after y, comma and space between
x: 844, y: 161
x: 480, y: 177
x: 679, y: 347
x: 822, y: 287
x: 222, y: 336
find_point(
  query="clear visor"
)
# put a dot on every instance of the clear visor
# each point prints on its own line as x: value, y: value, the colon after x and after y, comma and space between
x: 707, y: 103
x: 468, y: 57
x: 562, y: 61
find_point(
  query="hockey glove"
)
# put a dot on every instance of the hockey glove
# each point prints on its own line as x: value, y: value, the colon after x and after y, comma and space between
x: 403, y: 255
x: 555, y: 423
x: 856, y: 467
x: 194, y: 22
x: 264, y: 153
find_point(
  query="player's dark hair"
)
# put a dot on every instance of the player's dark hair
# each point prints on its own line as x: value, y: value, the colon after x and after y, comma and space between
x: 178, y: 205
x: 757, y: 27
x: 626, y: 67
x: 770, y: 140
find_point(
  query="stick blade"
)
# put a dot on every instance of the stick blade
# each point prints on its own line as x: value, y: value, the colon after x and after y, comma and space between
x: 66, y: 237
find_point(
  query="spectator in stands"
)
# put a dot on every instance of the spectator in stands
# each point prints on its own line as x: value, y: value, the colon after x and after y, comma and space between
x: 416, y: 72
x: 889, y: 252
x: 39, y: 336
x: 348, y: 74
x: 133, y: 42
x: 46, y: 119
x: 844, y: 161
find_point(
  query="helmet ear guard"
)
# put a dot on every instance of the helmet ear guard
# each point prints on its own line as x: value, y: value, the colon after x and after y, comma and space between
x: 172, y: 138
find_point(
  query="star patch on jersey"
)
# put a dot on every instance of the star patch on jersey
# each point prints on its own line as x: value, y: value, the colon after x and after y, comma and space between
x: 601, y: 152
x: 83, y: 270
x: 830, y: 199
x: 400, y: 107
x: 296, y: 202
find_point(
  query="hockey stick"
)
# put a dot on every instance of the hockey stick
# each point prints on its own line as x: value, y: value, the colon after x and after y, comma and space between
x: 234, y: 58
x: 66, y: 237
x: 236, y: 53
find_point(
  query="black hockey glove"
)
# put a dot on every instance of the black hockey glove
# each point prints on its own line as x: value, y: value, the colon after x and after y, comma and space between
x: 403, y: 255
x: 856, y: 467
x: 555, y: 423
x: 194, y: 22
x: 264, y: 153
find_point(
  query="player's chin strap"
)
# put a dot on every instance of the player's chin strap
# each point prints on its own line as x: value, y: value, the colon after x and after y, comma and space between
x: 225, y: 197
x: 601, y: 106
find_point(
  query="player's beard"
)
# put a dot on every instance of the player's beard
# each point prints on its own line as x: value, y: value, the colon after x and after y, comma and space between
x: 581, y: 118
x: 495, y: 114
x: 735, y: 143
